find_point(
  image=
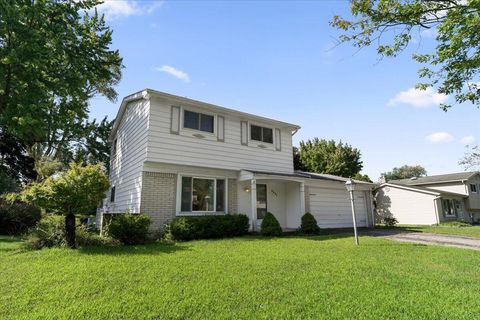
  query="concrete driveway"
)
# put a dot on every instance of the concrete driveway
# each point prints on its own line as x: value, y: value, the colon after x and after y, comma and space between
x: 428, y: 238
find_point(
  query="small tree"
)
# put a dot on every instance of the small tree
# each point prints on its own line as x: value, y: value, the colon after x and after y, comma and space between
x: 78, y: 190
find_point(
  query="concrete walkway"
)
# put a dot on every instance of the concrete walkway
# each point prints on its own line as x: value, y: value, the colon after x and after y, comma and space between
x: 429, y: 238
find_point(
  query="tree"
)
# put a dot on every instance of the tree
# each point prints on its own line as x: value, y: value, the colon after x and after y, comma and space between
x: 78, y: 190
x: 471, y: 160
x: 297, y: 162
x: 323, y: 156
x: 15, y: 164
x: 453, y: 66
x: 405, y: 172
x: 54, y: 57
x: 362, y: 177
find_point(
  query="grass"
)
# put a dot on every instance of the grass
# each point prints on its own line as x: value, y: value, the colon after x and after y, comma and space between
x: 467, y: 231
x: 324, y: 277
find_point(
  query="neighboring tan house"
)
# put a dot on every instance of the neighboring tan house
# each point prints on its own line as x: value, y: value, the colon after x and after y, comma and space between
x: 173, y: 156
x: 432, y: 199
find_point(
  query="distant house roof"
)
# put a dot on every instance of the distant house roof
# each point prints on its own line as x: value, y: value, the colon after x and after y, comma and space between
x: 451, y: 177
x: 434, y: 192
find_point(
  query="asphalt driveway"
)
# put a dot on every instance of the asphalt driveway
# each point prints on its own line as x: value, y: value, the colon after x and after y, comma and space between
x: 428, y: 238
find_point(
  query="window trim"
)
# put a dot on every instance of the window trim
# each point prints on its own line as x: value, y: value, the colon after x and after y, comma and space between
x: 179, y: 211
x: 207, y: 113
x: 250, y: 124
x: 475, y: 187
x: 452, y: 204
x: 112, y: 194
x: 114, y: 147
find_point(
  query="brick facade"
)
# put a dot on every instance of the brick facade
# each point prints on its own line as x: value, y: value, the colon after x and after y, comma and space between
x: 232, y: 196
x: 159, y: 197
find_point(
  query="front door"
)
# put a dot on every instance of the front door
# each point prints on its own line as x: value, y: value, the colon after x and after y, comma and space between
x: 261, y: 201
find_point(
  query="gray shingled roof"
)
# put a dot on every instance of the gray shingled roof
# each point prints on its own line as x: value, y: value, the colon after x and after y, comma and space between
x: 436, y: 179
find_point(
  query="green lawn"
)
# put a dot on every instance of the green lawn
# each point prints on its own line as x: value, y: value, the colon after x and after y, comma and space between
x: 470, y: 231
x: 324, y: 277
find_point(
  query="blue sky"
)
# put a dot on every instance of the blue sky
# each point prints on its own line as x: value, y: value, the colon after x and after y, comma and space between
x: 278, y: 59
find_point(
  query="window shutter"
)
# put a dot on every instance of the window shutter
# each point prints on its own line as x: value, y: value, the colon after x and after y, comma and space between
x: 244, y: 132
x: 175, y: 120
x: 278, y: 140
x: 220, y: 128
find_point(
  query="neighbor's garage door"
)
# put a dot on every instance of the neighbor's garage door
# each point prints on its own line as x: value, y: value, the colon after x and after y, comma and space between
x: 332, y: 208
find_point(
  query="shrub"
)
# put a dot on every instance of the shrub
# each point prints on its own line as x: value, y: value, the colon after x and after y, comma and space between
x: 130, y: 228
x: 389, y: 221
x: 88, y: 238
x: 309, y: 224
x: 17, y: 218
x: 49, y: 232
x: 459, y: 224
x: 208, y: 227
x: 270, y: 226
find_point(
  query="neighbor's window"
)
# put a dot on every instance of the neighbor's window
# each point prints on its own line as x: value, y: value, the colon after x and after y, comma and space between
x: 202, y: 195
x: 473, y: 188
x: 112, y: 194
x: 263, y: 134
x: 449, y: 208
x: 198, y: 121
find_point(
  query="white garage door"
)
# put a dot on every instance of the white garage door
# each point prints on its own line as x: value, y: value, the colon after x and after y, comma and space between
x: 332, y: 208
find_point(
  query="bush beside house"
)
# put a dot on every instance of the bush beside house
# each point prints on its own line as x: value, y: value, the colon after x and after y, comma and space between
x: 208, y: 227
x: 270, y: 226
x: 309, y: 224
x: 130, y: 228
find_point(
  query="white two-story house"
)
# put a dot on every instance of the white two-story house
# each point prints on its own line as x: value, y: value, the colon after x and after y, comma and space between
x: 173, y: 156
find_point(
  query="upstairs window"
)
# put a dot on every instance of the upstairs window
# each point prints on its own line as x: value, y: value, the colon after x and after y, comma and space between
x: 262, y: 134
x: 473, y: 188
x: 198, y: 121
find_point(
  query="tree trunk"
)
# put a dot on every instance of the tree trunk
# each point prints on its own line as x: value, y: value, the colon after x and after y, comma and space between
x: 70, y: 230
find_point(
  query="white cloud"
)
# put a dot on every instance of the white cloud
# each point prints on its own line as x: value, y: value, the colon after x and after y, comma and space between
x: 174, y: 72
x: 440, y: 137
x: 114, y: 9
x: 467, y: 140
x: 418, y: 98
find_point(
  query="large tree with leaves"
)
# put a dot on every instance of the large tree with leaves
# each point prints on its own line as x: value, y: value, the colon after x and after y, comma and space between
x: 405, y: 172
x: 54, y: 57
x: 452, y: 67
x: 329, y: 156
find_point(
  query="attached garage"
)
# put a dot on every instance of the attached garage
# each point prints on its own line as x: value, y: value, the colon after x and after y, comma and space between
x: 332, y: 208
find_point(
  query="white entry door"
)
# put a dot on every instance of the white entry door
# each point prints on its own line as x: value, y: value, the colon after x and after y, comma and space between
x: 332, y: 208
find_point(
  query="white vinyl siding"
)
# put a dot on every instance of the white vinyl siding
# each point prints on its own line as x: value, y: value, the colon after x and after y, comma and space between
x: 332, y: 207
x: 407, y: 206
x: 207, y: 151
x: 126, y: 167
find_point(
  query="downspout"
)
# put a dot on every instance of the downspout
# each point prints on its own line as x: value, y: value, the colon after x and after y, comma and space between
x: 437, y: 217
